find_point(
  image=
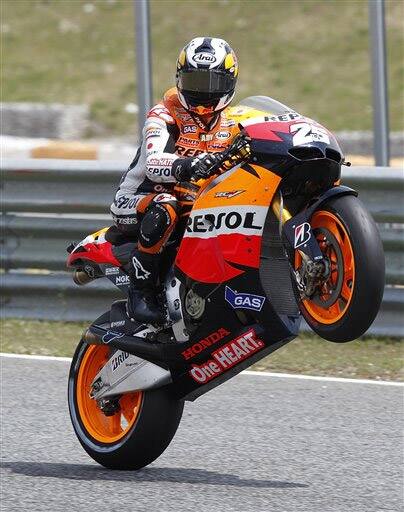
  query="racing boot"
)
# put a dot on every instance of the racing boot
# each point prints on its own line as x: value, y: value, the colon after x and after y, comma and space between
x: 142, y: 302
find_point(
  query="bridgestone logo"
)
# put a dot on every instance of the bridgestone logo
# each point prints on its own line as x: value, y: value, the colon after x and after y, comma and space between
x: 227, y: 356
x: 118, y: 360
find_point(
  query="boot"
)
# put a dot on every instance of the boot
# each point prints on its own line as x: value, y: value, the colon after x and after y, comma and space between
x: 142, y: 302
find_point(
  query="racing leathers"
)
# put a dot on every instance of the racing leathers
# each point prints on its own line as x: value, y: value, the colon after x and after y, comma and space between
x: 174, y: 142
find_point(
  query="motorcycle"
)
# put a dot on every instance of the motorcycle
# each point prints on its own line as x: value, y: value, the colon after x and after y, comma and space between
x: 268, y: 240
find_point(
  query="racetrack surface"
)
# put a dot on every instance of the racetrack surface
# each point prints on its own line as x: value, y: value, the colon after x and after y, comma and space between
x: 253, y: 444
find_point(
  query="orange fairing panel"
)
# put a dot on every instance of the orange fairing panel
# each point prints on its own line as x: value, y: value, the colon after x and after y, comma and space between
x: 225, y: 226
x: 255, y: 186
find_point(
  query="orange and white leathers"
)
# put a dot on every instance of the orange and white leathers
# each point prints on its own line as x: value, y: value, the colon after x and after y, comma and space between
x: 170, y: 132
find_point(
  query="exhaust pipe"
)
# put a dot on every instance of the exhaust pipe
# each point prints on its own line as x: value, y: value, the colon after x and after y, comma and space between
x: 81, y: 278
x: 90, y: 338
x: 154, y: 352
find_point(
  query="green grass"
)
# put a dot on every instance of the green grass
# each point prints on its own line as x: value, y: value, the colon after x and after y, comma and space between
x: 368, y: 358
x: 311, y: 54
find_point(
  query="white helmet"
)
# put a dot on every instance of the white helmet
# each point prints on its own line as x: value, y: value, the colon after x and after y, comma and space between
x: 206, y: 76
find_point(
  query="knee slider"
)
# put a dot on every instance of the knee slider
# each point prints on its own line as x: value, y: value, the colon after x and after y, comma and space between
x: 154, y: 225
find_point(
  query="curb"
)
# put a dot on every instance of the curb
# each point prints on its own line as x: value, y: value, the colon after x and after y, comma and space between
x: 65, y: 150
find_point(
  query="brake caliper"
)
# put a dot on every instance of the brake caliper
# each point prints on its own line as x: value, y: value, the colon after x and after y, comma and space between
x: 312, y: 275
x: 109, y: 406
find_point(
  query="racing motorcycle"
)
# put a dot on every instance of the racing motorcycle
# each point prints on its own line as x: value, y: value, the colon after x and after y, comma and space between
x: 270, y: 239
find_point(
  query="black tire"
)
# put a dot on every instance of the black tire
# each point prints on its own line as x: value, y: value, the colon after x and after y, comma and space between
x: 369, y: 265
x: 145, y: 441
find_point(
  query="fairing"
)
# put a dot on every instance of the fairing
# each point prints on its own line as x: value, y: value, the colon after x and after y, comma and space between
x: 93, y: 248
x: 223, y: 234
x: 232, y: 254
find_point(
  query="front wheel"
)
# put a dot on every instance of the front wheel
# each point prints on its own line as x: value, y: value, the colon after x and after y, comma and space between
x: 347, y: 300
x: 135, y: 432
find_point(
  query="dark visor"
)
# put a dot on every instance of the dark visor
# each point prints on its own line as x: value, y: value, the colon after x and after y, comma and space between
x: 206, y: 81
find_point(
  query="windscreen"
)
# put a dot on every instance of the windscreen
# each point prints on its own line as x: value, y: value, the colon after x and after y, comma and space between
x: 266, y: 104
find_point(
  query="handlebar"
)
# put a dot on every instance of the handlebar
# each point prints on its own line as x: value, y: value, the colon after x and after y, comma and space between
x: 239, y: 151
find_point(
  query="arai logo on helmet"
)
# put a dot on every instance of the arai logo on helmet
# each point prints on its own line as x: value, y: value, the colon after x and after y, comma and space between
x: 223, y: 135
x: 204, y: 58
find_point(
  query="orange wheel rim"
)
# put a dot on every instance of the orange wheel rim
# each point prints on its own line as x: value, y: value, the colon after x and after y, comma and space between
x: 106, y: 429
x: 342, y: 270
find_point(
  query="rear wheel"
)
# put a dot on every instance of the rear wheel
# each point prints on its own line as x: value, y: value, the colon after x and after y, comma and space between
x: 139, y: 426
x: 347, y: 300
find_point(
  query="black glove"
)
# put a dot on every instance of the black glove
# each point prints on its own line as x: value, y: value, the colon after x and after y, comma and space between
x: 241, y: 146
x: 195, y: 167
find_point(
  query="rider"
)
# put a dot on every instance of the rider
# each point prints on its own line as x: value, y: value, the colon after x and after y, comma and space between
x: 180, y: 138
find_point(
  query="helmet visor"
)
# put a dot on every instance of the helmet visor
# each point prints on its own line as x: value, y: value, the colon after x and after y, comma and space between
x: 206, y: 81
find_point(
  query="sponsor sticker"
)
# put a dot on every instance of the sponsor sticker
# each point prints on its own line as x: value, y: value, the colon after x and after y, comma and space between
x: 89, y: 270
x: 302, y: 234
x: 227, y: 356
x: 181, y: 151
x: 197, y: 347
x: 223, y: 135
x: 217, y: 145
x: 141, y: 272
x: 243, y: 300
x: 164, y: 198
x: 226, y: 220
x: 204, y: 58
x: 160, y: 161
x: 126, y: 220
x: 121, y: 280
x: 229, y: 194
x: 286, y: 117
x: 159, y: 188
x: 159, y: 171
x: 189, y: 128
x: 206, y: 137
x: 228, y: 122
x: 200, y: 123
x: 111, y: 336
x: 187, y: 141
x: 153, y: 132
x: 118, y: 360
x: 120, y: 323
x: 126, y: 202
x: 111, y: 271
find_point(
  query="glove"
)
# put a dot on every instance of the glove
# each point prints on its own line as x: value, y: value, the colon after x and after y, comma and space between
x: 241, y: 146
x: 194, y: 168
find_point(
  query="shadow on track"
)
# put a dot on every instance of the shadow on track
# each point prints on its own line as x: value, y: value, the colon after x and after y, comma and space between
x: 150, y: 474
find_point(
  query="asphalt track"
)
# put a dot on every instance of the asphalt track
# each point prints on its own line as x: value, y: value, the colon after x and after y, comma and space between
x: 253, y: 444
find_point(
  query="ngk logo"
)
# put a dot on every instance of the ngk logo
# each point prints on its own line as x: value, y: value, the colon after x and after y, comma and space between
x: 121, y: 280
x: 227, y: 356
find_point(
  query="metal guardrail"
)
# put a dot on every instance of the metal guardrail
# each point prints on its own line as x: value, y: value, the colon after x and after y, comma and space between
x: 47, y: 203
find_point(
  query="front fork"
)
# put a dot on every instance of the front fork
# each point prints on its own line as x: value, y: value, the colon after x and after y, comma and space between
x: 301, y: 238
x: 299, y: 234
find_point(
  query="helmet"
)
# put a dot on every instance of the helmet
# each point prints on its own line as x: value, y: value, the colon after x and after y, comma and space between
x: 206, y: 76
